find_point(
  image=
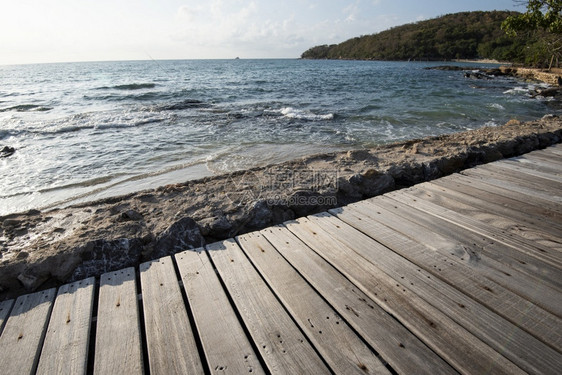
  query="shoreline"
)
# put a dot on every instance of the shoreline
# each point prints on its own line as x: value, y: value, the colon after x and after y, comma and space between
x: 42, y: 249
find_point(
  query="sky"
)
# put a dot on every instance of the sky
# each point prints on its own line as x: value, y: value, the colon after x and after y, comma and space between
x: 39, y: 31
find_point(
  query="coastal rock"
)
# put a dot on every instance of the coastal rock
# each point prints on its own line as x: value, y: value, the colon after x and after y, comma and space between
x: 29, y: 281
x: 373, y: 183
x: 102, y: 256
x: 7, y: 151
x: 131, y: 215
x: 546, y: 92
x: 477, y: 75
x: 216, y: 227
x: 182, y: 235
x: 260, y: 215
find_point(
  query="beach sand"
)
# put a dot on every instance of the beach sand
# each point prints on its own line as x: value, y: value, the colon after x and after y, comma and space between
x: 40, y: 249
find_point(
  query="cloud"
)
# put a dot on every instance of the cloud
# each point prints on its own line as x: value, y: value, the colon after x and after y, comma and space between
x: 351, y: 11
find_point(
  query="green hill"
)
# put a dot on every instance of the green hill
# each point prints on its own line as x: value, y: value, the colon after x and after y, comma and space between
x: 466, y: 35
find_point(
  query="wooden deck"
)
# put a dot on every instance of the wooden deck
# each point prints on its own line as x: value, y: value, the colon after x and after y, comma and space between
x: 459, y: 275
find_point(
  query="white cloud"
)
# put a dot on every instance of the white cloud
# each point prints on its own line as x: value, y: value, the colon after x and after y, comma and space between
x: 351, y: 11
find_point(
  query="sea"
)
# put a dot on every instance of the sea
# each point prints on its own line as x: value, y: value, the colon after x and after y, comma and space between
x: 92, y: 130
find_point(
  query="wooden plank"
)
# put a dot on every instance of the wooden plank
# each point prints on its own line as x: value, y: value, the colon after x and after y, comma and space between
x: 409, y: 242
x: 5, y: 308
x: 528, y: 203
x: 551, y: 152
x: 538, y: 217
x: 171, y: 345
x: 550, y: 242
x: 283, y: 347
x: 522, y: 176
x: 529, y: 168
x: 535, y: 250
x: 486, y: 256
x: 547, y: 165
x: 65, y: 350
x: 224, y: 341
x: 506, y: 338
x: 342, y: 349
x: 395, y: 344
x: 23, y: 334
x: 513, y: 183
x: 118, y: 338
x: 545, y: 155
x: 457, y: 346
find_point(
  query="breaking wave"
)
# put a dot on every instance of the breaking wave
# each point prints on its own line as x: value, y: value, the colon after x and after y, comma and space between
x: 130, y: 86
x: 26, y: 108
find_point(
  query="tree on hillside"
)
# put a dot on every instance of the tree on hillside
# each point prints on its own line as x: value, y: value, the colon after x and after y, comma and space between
x: 544, y: 17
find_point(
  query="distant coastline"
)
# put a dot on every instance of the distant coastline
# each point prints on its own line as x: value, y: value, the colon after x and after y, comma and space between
x: 465, y: 36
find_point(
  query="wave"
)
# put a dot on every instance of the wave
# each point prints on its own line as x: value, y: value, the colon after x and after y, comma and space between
x: 517, y: 90
x: 130, y: 86
x: 496, y: 106
x: 79, y: 122
x: 118, y: 98
x: 185, y: 104
x: 26, y: 108
x: 300, y: 114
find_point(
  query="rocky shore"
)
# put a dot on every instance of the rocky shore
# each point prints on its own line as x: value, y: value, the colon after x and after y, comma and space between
x: 42, y: 249
x: 552, y: 77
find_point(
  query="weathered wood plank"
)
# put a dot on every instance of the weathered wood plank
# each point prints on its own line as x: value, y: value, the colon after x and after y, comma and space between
x: 171, y: 345
x: 482, y: 254
x: 506, y: 338
x: 409, y: 242
x: 5, y: 308
x: 462, y: 350
x: 395, y: 344
x: 530, y: 169
x: 226, y: 347
x: 539, y: 163
x: 545, y: 155
x: 522, y: 177
x: 513, y: 183
x: 550, y: 152
x: 65, y: 350
x: 550, y: 242
x: 528, y: 203
x: 536, y: 216
x: 283, y: 347
x: 535, y: 250
x: 118, y: 339
x: 316, y: 318
x: 22, y: 338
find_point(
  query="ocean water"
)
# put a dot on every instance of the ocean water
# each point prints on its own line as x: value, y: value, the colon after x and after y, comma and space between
x: 86, y: 131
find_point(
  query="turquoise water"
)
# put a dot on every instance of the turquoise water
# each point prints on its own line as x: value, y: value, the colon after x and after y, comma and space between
x: 91, y: 130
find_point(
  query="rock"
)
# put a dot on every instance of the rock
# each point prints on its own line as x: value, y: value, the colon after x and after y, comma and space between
x: 11, y: 223
x: 131, y: 215
x: 260, y: 215
x: 551, y: 91
x: 513, y: 122
x: 102, y: 256
x: 477, y: 75
x: 359, y: 155
x: 22, y: 255
x: 7, y: 151
x: 182, y: 235
x: 29, y: 281
x: 374, y: 183
x: 216, y: 227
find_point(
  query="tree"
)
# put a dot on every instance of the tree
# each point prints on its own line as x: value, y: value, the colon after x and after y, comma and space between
x: 542, y: 16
